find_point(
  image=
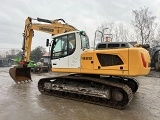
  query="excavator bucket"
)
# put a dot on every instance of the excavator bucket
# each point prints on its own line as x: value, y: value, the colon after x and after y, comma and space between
x: 20, y: 74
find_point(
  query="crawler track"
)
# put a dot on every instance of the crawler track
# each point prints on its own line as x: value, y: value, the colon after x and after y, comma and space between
x: 88, y: 89
x: 131, y: 82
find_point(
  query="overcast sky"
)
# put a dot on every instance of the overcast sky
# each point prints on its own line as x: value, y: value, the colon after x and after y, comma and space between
x: 83, y: 14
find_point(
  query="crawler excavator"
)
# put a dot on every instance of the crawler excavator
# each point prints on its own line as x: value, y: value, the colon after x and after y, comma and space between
x: 104, y: 77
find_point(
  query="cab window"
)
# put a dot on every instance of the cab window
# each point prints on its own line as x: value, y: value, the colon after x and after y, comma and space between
x: 84, y: 41
x: 63, y: 46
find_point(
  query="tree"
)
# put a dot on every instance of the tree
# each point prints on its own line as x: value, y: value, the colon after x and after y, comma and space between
x: 13, y: 53
x: 156, y: 41
x: 144, y: 24
x: 37, y: 53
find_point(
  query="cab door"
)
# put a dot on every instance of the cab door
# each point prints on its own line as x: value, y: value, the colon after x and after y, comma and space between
x: 59, y: 57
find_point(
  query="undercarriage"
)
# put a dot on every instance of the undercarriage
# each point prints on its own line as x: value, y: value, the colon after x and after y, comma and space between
x: 110, y: 91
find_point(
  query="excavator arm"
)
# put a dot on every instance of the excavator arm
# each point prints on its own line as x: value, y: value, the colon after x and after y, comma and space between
x: 53, y: 27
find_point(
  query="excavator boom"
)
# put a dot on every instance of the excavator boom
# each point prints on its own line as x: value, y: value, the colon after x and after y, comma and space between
x: 22, y: 72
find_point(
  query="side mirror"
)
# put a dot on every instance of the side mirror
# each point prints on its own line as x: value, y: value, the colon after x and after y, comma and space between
x: 47, y: 42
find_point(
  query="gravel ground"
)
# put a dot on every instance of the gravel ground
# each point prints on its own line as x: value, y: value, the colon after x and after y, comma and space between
x: 154, y: 74
x: 25, y: 102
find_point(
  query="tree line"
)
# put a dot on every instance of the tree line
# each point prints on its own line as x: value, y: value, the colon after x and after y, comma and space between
x: 36, y: 53
x: 145, y: 29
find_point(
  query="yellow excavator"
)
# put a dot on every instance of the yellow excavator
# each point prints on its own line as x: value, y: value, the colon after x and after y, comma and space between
x: 101, y: 76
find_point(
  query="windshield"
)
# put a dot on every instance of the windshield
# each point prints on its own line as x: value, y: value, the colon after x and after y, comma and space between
x: 63, y: 46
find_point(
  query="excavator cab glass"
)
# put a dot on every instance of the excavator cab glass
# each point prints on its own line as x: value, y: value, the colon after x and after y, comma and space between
x: 63, y: 46
x: 84, y: 40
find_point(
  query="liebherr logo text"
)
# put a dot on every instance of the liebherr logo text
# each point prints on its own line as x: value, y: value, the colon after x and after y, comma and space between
x: 46, y: 29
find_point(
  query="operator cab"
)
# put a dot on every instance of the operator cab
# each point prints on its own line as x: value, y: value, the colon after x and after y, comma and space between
x: 65, y: 45
x: 67, y: 48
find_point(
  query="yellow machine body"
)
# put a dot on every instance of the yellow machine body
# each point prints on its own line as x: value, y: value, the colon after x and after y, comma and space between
x: 118, y: 62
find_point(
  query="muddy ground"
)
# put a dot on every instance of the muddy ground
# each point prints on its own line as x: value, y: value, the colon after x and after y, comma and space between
x: 25, y: 102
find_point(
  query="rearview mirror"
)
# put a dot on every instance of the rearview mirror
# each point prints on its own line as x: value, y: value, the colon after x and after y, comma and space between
x: 47, y: 42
